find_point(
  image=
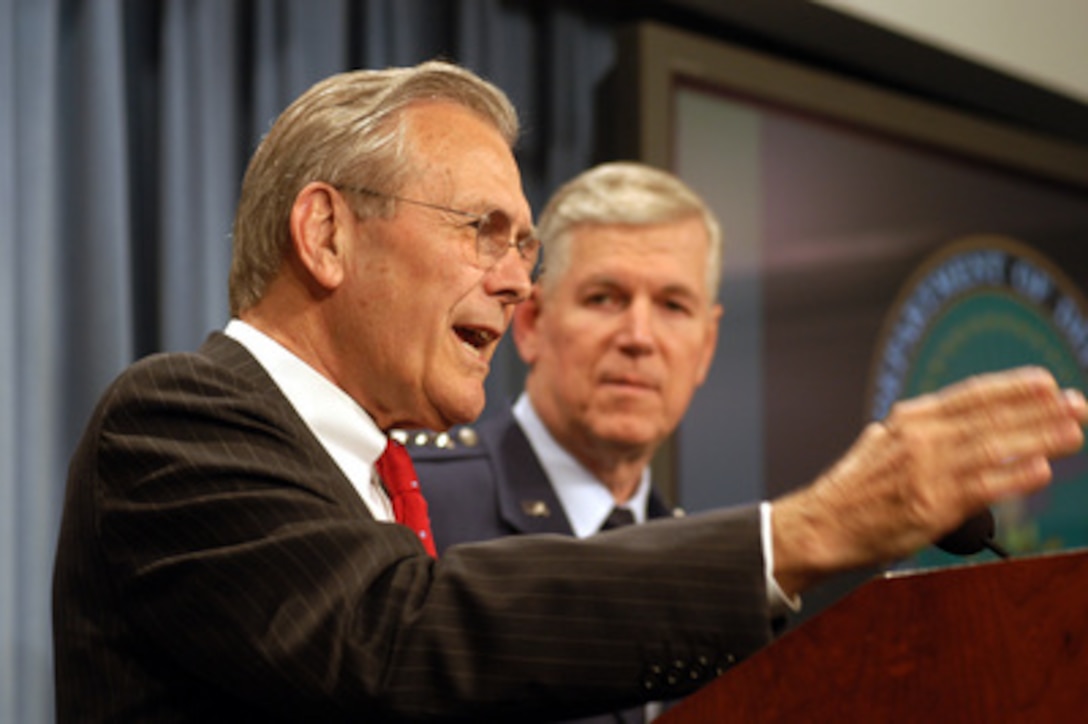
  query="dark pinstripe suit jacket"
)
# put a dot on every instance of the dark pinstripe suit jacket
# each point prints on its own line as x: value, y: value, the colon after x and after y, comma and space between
x: 214, y: 565
x: 495, y: 486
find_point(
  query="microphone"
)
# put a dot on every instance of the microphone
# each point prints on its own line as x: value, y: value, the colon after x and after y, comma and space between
x: 973, y: 535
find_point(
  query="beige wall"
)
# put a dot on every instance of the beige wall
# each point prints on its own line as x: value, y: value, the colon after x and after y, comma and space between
x: 1040, y: 41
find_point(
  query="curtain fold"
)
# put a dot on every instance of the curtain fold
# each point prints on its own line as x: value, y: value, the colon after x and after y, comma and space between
x: 198, y: 107
x: 125, y: 127
x: 31, y: 239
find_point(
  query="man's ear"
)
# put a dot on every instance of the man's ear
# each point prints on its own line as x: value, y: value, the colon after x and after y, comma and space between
x: 318, y: 225
x: 526, y: 318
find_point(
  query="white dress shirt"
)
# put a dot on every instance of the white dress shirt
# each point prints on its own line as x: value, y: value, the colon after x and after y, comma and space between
x: 343, y: 428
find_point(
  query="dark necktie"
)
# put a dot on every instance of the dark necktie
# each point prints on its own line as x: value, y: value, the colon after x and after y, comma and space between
x: 399, y: 478
x: 618, y: 518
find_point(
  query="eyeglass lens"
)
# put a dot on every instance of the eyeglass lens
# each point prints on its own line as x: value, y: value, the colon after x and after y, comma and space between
x: 494, y: 231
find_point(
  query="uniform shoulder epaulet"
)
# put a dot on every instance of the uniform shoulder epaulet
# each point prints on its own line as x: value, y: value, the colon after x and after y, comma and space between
x: 429, y: 443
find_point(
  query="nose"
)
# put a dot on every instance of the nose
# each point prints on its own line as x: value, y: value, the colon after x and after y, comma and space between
x: 636, y: 335
x: 509, y: 277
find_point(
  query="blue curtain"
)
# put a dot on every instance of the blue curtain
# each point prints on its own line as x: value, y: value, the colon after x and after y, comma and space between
x: 124, y: 130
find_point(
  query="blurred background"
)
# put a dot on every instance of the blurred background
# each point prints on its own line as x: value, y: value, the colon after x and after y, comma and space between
x: 862, y: 154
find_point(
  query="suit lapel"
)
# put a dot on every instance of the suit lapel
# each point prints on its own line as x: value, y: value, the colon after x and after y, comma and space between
x: 527, y: 502
x: 656, y: 508
x: 232, y: 355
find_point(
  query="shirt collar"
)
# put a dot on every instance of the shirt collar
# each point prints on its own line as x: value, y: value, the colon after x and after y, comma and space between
x: 585, y: 500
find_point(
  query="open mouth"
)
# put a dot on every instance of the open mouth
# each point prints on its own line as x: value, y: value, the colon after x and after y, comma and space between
x: 476, y: 337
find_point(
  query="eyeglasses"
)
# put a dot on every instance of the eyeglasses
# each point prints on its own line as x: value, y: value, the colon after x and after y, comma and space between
x: 494, y: 231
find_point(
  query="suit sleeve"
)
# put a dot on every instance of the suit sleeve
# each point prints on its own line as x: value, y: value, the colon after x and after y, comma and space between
x: 239, y: 553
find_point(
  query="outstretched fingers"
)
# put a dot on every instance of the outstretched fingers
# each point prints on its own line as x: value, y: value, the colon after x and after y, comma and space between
x: 990, y: 421
x: 1005, y: 421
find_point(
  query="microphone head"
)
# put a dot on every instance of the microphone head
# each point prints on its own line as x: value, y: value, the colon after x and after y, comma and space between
x: 973, y: 535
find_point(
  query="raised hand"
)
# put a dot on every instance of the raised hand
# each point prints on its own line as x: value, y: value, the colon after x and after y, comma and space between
x: 935, y: 460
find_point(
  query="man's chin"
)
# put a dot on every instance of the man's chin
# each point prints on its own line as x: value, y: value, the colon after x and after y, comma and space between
x: 457, y: 410
x: 628, y: 433
x: 633, y: 426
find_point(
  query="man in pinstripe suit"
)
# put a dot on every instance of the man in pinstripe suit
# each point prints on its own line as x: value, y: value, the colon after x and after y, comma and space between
x: 227, y: 555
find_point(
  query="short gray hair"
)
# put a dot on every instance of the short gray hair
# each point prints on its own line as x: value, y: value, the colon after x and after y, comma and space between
x: 622, y: 192
x: 345, y: 130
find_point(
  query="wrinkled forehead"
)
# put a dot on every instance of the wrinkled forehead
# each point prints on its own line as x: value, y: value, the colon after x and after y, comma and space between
x: 462, y: 159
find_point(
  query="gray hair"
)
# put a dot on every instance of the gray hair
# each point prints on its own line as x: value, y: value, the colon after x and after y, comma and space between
x: 345, y: 130
x: 622, y: 192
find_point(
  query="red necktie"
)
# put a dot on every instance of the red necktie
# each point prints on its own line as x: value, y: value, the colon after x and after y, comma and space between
x: 399, y: 477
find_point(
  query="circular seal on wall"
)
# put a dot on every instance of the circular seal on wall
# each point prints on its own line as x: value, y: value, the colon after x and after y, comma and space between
x: 980, y: 304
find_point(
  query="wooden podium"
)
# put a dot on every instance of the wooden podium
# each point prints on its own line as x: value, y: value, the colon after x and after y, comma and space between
x: 994, y: 642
